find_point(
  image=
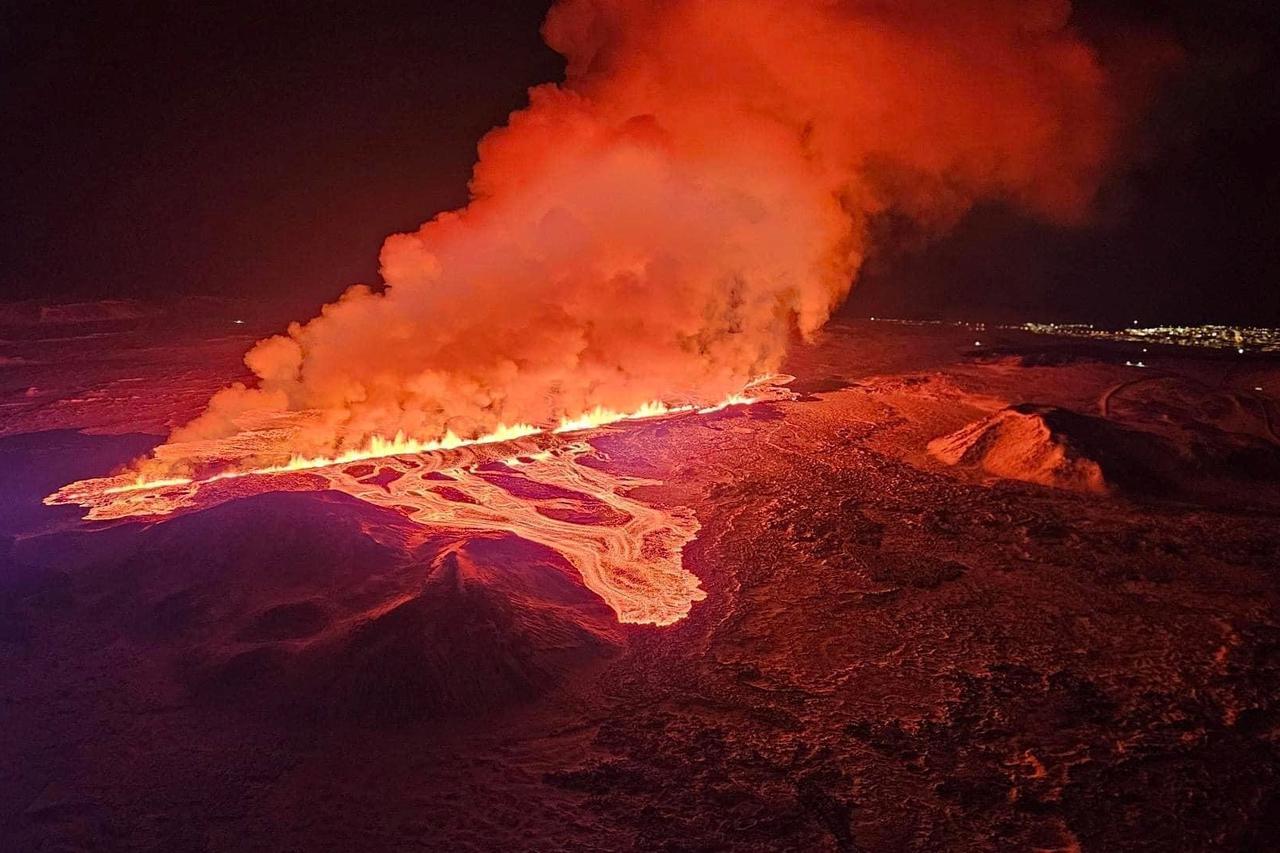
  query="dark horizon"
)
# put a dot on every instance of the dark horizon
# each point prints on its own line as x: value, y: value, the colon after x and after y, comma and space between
x: 264, y: 156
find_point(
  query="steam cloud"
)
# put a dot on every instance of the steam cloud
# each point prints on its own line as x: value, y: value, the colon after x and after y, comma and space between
x: 697, y: 191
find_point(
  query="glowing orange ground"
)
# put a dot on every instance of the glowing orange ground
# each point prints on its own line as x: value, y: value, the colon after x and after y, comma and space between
x: 546, y: 486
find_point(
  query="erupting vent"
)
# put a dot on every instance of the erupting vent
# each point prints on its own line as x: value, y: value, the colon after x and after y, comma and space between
x: 523, y: 480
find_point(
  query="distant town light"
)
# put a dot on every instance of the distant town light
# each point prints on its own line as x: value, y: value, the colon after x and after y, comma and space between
x: 238, y: 322
x: 1254, y: 339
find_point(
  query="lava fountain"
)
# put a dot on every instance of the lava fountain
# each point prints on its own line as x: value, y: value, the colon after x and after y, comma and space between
x: 539, y: 484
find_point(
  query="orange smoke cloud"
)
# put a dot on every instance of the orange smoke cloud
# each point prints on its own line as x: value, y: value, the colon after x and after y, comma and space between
x: 696, y: 191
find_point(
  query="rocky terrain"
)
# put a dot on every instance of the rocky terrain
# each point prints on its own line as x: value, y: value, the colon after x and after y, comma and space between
x: 1009, y: 596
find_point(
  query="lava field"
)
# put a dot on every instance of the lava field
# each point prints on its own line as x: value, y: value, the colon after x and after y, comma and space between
x: 941, y: 596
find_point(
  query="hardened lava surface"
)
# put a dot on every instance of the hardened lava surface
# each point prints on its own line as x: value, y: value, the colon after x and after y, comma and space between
x: 892, y: 653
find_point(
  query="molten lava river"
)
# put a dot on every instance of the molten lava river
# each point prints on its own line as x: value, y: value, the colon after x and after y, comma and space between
x: 548, y: 486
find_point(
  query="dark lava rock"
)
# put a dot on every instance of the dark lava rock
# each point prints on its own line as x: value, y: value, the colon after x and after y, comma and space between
x: 291, y: 621
x: 915, y: 571
x: 498, y: 620
x: 243, y: 601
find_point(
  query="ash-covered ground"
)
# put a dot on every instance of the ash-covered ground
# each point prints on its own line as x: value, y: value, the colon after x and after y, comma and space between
x: 1016, y: 595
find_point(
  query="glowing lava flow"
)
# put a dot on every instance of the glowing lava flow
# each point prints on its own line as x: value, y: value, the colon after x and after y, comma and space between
x: 628, y: 553
x: 400, y: 445
x: 523, y: 480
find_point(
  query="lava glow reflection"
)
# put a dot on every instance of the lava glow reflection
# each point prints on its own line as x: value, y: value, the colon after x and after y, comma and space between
x: 523, y: 479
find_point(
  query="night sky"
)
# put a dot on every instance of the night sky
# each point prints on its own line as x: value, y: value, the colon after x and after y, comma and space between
x: 156, y: 149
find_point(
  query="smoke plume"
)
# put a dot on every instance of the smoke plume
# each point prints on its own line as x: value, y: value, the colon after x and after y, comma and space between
x: 696, y: 192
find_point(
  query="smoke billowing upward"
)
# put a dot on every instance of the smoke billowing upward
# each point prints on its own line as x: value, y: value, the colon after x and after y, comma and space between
x: 697, y: 190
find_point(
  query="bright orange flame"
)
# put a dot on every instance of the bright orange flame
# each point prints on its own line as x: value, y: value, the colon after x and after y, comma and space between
x: 141, y: 484
x: 379, y: 447
x: 600, y: 416
x: 628, y: 553
x: 399, y: 445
